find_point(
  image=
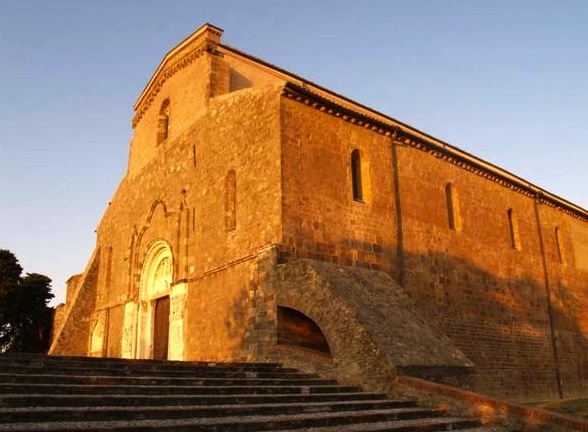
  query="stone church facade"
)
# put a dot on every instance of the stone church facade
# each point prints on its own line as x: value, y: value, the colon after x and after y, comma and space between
x: 265, y: 218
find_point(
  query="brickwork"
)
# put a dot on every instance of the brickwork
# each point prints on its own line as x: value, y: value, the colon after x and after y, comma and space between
x: 372, y: 327
x: 321, y: 220
x: 489, y: 297
x: 486, y: 295
x: 566, y: 279
x: 430, y: 218
x: 71, y: 335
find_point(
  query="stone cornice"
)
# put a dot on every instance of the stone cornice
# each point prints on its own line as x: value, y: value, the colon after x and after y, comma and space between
x: 403, y: 135
x: 205, y: 39
x: 162, y: 77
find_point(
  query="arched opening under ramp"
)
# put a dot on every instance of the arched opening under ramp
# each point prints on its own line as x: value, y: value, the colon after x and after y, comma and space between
x: 298, y: 330
x: 372, y: 325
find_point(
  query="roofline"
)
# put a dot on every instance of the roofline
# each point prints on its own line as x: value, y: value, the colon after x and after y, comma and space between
x: 307, y: 84
x: 401, y: 132
x: 207, y: 27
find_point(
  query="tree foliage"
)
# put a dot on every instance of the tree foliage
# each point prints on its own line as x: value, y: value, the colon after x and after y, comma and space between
x: 25, y: 317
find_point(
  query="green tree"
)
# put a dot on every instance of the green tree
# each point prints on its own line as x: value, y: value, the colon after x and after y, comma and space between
x: 25, y: 318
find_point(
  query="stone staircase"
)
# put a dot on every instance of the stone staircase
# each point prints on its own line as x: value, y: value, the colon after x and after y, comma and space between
x: 76, y: 393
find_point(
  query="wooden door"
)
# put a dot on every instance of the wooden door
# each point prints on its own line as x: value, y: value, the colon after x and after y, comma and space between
x: 161, y: 329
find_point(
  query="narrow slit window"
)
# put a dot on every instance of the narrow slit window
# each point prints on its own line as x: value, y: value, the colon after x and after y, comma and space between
x: 163, y: 122
x: 230, y: 201
x: 560, y: 251
x: 356, y: 175
x: 453, y: 211
x: 513, y: 224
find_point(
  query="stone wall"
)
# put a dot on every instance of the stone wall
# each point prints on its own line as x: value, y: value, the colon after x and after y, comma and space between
x: 371, y: 325
x: 489, y: 296
x: 321, y: 220
x: 179, y: 197
x: 253, y: 172
x: 175, y: 193
x: 505, y: 305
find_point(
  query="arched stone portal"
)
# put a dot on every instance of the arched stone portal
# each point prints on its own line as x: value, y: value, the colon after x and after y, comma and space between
x: 159, y: 318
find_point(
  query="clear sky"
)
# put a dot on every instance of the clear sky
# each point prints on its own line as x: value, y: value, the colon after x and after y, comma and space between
x: 505, y: 80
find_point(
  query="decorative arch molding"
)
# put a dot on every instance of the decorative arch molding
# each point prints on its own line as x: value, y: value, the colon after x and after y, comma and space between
x: 141, y: 338
x: 139, y: 238
x: 156, y: 272
x: 156, y: 203
x: 154, y: 284
x: 153, y: 276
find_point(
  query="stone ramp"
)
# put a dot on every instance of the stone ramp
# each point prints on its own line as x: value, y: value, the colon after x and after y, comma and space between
x: 39, y: 393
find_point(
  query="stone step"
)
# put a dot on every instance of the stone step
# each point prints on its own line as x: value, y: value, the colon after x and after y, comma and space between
x: 165, y: 390
x: 83, y: 400
x: 197, y: 371
x: 101, y: 413
x: 136, y: 364
x: 483, y: 429
x: 414, y: 425
x: 256, y: 423
x: 72, y: 393
x: 158, y: 380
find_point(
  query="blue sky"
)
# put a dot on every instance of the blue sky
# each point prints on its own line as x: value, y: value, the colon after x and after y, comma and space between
x: 504, y: 80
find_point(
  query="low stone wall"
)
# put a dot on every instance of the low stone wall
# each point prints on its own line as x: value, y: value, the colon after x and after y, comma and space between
x: 491, y: 410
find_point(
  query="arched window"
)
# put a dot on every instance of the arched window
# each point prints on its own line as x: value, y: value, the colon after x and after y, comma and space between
x: 453, y: 213
x: 357, y: 184
x: 560, y: 250
x: 513, y: 223
x: 296, y: 329
x: 163, y: 122
x: 230, y: 201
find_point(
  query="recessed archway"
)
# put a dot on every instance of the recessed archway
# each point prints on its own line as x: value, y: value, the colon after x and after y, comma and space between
x: 155, y: 286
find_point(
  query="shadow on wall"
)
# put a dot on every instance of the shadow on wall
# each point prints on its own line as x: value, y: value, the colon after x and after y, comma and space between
x: 238, y: 81
x: 372, y: 327
x: 450, y: 316
x: 503, y: 326
x: 248, y: 322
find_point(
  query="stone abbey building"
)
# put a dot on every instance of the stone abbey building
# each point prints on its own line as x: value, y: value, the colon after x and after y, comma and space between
x: 265, y: 218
